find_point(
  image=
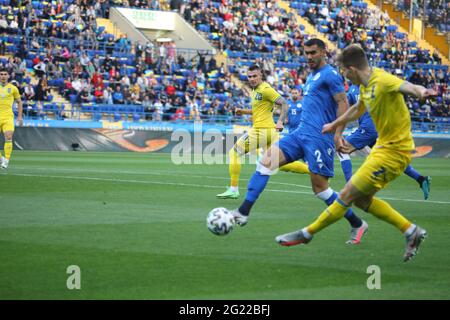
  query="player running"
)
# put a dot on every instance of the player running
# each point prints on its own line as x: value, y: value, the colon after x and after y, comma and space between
x: 8, y: 94
x: 365, y: 137
x: 324, y: 99
x: 263, y: 132
x: 295, y: 110
x: 382, y: 95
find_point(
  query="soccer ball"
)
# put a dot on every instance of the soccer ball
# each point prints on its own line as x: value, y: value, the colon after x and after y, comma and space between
x: 220, y: 221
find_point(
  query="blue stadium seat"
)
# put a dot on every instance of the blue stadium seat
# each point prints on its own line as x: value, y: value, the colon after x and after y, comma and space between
x: 96, y: 116
x: 117, y: 116
x: 136, y: 117
x: 391, y: 28
x: 323, y: 29
x: 204, y: 28
x: 400, y: 35
x: 73, y: 98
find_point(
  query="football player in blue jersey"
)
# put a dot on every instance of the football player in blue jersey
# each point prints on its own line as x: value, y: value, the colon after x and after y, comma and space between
x: 295, y: 110
x: 324, y: 99
x: 364, y: 137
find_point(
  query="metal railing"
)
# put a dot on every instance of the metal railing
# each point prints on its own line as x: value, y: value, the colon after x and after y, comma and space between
x: 137, y: 113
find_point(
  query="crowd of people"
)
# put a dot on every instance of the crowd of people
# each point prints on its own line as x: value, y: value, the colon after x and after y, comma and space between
x: 72, y: 53
x: 435, y: 13
x: 347, y: 22
x: 88, y: 65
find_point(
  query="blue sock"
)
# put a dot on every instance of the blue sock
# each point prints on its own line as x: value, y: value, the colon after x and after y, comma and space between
x: 347, y: 169
x: 352, y: 218
x: 410, y: 171
x: 256, y: 185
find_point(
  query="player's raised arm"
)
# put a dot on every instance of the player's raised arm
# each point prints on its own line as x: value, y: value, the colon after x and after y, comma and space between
x: 417, y: 91
x: 281, y: 102
x: 342, y: 102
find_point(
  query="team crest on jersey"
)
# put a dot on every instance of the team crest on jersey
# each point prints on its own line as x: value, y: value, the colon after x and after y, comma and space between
x: 329, y: 150
x: 258, y: 96
x: 316, y: 77
x: 9, y: 90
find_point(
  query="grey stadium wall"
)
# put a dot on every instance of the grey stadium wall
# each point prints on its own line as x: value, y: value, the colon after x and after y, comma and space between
x: 119, y: 140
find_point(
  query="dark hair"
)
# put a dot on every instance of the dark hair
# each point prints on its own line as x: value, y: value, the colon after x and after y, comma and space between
x: 254, y: 67
x: 353, y: 56
x: 317, y: 42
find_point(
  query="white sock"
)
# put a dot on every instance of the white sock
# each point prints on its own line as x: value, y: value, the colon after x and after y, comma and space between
x: 234, y: 189
x: 343, y: 156
x: 306, y: 233
x: 410, y: 230
x: 325, y: 195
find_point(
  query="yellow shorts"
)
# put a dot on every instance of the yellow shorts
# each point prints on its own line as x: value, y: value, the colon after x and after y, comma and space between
x: 256, y: 138
x: 6, y: 124
x: 381, y: 167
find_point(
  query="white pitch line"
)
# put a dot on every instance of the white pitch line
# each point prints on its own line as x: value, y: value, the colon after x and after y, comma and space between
x: 113, y: 180
x: 194, y: 185
x: 160, y: 173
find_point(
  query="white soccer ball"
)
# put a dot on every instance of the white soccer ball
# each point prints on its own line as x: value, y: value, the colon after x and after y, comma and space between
x: 220, y: 221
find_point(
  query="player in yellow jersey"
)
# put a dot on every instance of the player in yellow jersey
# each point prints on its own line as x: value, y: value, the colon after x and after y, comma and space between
x: 382, y: 95
x: 8, y: 94
x: 263, y: 132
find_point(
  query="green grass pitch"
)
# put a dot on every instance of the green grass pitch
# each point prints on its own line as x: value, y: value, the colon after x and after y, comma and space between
x: 135, y: 225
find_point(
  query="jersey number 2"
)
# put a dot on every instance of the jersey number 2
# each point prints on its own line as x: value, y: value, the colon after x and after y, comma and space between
x: 318, y: 156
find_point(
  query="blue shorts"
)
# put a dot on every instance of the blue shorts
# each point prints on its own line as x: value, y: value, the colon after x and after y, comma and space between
x: 318, y: 153
x: 360, y: 138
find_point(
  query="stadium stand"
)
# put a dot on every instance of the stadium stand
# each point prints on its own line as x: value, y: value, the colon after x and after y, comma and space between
x: 434, y: 13
x: 108, y: 77
x: 354, y: 22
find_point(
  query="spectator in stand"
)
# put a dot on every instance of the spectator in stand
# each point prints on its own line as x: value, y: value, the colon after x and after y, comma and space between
x: 98, y: 94
x: 118, y: 96
x: 108, y: 95
x: 97, y: 79
x: 170, y: 89
x: 179, y: 114
x: 85, y: 96
x: 28, y: 95
x: 41, y: 93
x: 125, y: 82
x: 40, y: 68
x: 158, y: 110
x: 126, y: 95
x: 194, y: 112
